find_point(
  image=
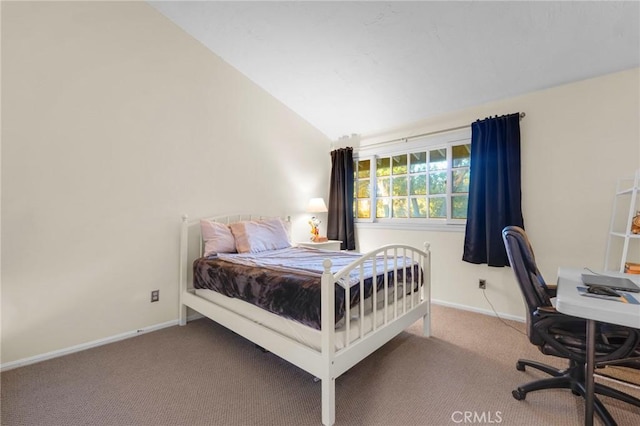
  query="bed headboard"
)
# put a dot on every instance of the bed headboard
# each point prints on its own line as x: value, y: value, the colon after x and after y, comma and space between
x: 191, y: 243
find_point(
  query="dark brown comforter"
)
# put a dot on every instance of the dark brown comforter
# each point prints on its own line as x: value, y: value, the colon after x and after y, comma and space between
x: 287, y: 282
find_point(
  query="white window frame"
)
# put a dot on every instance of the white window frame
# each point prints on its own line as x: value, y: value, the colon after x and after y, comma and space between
x: 407, y: 146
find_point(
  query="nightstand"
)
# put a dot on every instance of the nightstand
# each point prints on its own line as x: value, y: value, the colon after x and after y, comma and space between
x: 325, y: 245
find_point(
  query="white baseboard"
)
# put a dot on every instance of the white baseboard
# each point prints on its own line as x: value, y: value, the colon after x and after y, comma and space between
x: 81, y: 347
x: 195, y: 315
x: 478, y: 310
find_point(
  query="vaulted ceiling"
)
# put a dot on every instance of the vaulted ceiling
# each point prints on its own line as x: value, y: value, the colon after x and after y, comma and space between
x: 362, y: 67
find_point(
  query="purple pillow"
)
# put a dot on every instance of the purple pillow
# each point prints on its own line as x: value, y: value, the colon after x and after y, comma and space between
x: 217, y: 238
x: 257, y: 236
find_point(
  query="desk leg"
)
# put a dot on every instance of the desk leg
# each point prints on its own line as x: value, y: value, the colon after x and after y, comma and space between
x: 588, y: 374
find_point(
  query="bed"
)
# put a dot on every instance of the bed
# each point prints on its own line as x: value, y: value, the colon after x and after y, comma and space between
x: 320, y: 310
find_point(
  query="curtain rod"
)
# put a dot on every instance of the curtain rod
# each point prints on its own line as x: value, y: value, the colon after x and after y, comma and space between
x: 421, y: 135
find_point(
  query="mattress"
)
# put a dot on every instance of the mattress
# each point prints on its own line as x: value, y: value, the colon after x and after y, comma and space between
x: 286, y: 282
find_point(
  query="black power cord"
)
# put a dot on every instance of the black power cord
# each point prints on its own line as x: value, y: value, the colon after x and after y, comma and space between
x: 484, y: 293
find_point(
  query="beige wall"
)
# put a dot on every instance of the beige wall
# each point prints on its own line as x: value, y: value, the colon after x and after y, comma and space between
x: 577, y: 140
x: 115, y: 123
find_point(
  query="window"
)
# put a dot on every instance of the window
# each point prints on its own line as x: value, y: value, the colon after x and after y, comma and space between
x: 426, y: 182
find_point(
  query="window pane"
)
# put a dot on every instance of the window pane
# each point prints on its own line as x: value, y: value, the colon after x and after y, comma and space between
x: 460, y: 181
x: 382, y: 187
x: 418, y: 162
x: 418, y: 185
x: 383, y: 166
x: 364, y: 169
x: 438, y: 207
x: 459, y: 206
x: 400, y: 207
x: 364, y: 209
x: 461, y: 155
x: 382, y: 208
x: 438, y: 182
x: 418, y: 207
x: 399, y: 185
x: 363, y: 188
x: 399, y: 164
x: 438, y: 159
x: 426, y: 185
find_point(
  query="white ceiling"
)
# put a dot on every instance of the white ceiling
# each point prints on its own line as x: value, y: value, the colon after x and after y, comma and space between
x: 362, y: 67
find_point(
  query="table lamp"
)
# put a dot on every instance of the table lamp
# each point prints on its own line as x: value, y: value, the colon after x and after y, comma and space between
x: 316, y: 205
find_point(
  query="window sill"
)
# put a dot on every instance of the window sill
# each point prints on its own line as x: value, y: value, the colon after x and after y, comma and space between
x: 444, y: 227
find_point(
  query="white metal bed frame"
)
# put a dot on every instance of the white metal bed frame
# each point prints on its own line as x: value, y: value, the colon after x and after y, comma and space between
x: 399, y: 312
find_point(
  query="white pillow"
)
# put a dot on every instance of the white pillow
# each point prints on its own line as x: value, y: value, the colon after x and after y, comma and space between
x: 257, y: 236
x: 217, y: 238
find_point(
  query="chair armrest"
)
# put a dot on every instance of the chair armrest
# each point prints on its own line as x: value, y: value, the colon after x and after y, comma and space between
x: 552, y: 290
x: 546, y: 310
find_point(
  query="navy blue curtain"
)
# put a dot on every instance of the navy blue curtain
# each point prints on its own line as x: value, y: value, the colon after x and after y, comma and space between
x: 494, y: 189
x: 340, y: 223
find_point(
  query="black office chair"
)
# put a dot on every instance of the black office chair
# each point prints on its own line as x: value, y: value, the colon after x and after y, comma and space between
x: 562, y: 335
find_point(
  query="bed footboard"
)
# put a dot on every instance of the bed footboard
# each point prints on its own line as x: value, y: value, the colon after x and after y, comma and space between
x: 400, y: 291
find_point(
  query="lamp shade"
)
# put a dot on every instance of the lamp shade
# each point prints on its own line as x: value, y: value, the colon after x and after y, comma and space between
x: 317, y: 205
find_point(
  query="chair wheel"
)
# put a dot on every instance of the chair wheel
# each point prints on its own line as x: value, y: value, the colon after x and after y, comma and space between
x: 519, y: 366
x: 518, y: 394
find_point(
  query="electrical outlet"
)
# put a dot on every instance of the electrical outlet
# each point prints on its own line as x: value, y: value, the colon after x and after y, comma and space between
x: 482, y: 284
x: 155, y: 295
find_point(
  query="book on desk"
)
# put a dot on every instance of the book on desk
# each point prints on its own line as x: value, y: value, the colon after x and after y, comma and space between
x: 624, y: 296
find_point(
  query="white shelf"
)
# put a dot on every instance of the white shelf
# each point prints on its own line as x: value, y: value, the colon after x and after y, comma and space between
x: 624, y: 235
x: 631, y: 188
x: 625, y: 191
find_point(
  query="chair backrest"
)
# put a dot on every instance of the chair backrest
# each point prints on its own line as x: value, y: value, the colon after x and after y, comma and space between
x: 523, y: 262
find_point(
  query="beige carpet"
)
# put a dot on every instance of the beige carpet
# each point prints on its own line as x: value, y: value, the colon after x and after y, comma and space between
x: 625, y: 374
x: 202, y: 374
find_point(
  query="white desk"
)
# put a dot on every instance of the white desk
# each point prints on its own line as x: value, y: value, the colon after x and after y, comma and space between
x: 569, y: 301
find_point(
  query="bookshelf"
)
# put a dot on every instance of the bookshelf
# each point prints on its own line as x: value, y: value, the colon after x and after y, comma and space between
x: 623, y: 246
